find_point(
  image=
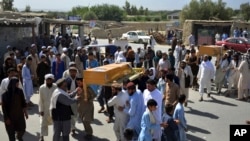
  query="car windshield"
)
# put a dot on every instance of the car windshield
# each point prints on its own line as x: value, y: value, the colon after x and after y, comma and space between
x: 141, y: 33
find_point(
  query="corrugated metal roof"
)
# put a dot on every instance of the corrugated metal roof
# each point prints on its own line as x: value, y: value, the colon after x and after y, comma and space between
x: 62, y: 21
x: 17, y: 21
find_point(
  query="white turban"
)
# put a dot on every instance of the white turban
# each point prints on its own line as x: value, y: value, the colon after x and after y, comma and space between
x: 47, y: 76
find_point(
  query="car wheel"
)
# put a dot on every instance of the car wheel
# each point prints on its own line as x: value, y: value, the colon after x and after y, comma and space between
x: 140, y: 41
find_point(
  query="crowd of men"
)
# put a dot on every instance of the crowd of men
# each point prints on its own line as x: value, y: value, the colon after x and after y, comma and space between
x: 57, y: 71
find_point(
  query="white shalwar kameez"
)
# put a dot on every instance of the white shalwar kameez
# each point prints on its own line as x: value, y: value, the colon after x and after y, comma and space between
x: 121, y: 118
x: 234, y: 75
x: 205, y: 74
x: 244, y: 80
x: 182, y: 74
x: 45, y: 94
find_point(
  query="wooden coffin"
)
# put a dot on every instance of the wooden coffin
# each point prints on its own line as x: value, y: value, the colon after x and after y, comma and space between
x: 107, y: 74
x: 211, y: 50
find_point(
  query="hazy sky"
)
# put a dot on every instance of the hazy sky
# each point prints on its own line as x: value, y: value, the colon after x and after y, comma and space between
x: 66, y: 5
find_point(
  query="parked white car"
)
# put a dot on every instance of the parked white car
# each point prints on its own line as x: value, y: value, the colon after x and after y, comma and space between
x: 136, y: 36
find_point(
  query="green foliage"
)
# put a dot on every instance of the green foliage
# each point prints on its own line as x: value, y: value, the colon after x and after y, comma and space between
x: 157, y: 19
x: 134, y: 10
x: 90, y: 15
x: 8, y: 5
x: 147, y: 18
x: 107, y: 12
x: 141, y: 10
x: 245, y: 11
x: 56, y: 14
x: 146, y: 11
x: 79, y: 11
x: 205, y: 10
x: 27, y: 8
x: 127, y: 8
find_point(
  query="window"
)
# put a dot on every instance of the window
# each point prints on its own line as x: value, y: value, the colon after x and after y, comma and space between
x: 133, y: 34
x: 176, y: 17
x: 231, y: 41
x: 141, y: 33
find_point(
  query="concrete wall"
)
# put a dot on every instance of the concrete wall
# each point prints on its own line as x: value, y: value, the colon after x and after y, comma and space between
x: 116, y: 32
x: 19, y: 37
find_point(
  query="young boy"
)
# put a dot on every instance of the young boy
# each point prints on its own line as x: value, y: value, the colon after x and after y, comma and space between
x: 148, y: 122
x: 180, y: 116
x: 129, y: 134
x: 171, y: 132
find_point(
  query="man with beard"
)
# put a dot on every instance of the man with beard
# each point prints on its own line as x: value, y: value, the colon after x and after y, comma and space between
x: 172, y: 91
x: 186, y: 79
x: 206, y: 75
x: 244, y: 79
x: 79, y: 60
x: 45, y: 93
x: 163, y: 64
x: 43, y: 68
x: 61, y: 110
x: 34, y: 63
x: 193, y: 63
x: 135, y: 108
x: 234, y: 74
x: 65, y: 58
x: 221, y: 65
x: 71, y: 86
x: 14, y: 110
x: 86, y: 109
x: 121, y: 118
x: 5, y: 82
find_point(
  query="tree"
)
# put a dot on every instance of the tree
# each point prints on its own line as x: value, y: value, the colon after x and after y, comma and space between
x: 245, y: 11
x: 79, y: 10
x: 141, y: 10
x: 146, y: 11
x: 90, y: 15
x: 108, y: 12
x: 8, y: 5
x: 27, y: 8
x: 134, y: 10
x: 205, y: 10
x: 127, y: 8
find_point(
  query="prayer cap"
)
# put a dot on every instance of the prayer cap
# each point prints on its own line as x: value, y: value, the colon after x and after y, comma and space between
x: 33, y: 45
x: 60, y: 81
x: 65, y: 49
x: 72, y: 63
x: 47, y: 76
x: 73, y: 68
x: 79, y: 48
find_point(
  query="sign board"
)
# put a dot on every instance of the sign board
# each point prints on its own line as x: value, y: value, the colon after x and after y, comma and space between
x: 92, y: 23
x: 74, y: 18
